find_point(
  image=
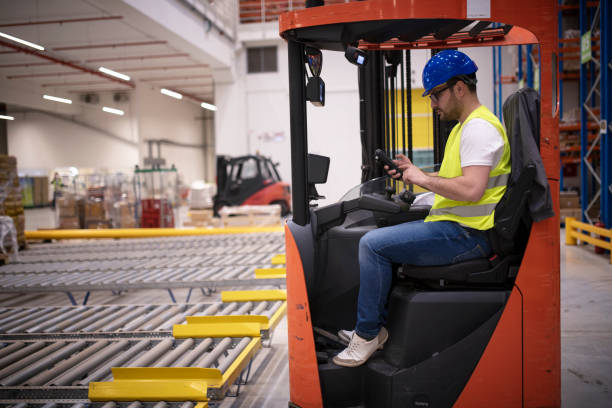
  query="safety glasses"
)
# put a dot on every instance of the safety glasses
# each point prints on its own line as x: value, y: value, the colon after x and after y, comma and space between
x: 435, y: 96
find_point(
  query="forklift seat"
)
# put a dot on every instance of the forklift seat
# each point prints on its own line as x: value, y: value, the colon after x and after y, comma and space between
x: 513, y: 220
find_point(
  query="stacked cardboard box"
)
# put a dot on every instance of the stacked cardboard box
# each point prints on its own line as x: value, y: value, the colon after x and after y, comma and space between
x: 41, y: 191
x: 569, y: 204
x: 67, y: 208
x: 95, y: 211
x: 123, y: 216
x: 11, y: 203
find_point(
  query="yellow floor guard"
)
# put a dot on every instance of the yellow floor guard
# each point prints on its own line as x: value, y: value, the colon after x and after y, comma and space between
x: 253, y: 295
x: 142, y: 232
x: 270, y: 273
x: 193, y: 383
x: 279, y: 259
x: 170, y: 383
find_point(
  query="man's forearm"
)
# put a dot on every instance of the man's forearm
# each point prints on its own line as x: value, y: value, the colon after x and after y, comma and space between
x: 456, y: 188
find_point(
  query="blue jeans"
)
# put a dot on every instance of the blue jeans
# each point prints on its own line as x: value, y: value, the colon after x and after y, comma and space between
x: 413, y: 243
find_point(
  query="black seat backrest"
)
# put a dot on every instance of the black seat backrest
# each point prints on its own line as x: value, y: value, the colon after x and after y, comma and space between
x: 512, y: 218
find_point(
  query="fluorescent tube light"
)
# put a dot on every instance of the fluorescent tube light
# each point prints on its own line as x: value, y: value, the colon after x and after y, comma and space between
x: 112, y: 110
x: 208, y: 106
x: 57, y: 99
x: 24, y: 42
x: 114, y: 73
x: 173, y: 94
x: 5, y: 117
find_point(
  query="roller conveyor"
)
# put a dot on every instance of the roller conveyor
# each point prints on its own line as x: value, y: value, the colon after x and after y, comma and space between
x: 65, y: 356
x: 154, y: 247
x: 42, y: 365
x: 113, y: 320
x: 149, y: 279
x: 64, y: 369
x: 161, y: 263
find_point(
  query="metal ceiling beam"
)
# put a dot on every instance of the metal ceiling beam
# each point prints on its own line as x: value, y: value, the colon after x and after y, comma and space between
x: 139, y: 57
x: 111, y: 45
x: 62, y: 62
x: 62, y: 21
x: 187, y: 77
x: 78, y: 83
x: 26, y: 64
x: 191, y: 86
x: 164, y: 68
x: 43, y: 75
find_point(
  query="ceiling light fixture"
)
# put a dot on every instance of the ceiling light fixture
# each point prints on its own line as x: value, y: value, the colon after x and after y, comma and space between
x: 208, y: 106
x: 173, y: 94
x: 114, y: 73
x: 5, y: 117
x: 57, y: 99
x: 24, y: 42
x: 112, y: 110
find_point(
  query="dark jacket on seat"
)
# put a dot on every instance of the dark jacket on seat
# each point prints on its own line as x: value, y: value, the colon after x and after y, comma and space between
x: 521, y: 116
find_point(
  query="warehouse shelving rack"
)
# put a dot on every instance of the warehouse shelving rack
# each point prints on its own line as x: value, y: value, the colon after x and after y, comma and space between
x: 596, y: 91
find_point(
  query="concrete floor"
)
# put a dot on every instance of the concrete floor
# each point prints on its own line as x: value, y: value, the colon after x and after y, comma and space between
x: 586, y: 333
x: 586, y: 327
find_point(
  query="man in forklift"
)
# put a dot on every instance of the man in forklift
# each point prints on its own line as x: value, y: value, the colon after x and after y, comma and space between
x: 471, y: 181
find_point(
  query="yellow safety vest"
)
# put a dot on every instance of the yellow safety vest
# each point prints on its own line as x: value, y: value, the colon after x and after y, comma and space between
x: 481, y: 214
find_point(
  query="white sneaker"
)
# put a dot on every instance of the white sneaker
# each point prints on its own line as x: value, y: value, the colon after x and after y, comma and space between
x: 359, y: 350
x: 345, y: 335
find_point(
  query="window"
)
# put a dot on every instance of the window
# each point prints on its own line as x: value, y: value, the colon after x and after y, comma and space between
x: 261, y: 59
x: 249, y: 169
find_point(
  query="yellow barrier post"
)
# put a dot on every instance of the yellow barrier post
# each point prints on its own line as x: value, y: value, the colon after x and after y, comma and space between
x: 569, y: 227
x: 574, y: 231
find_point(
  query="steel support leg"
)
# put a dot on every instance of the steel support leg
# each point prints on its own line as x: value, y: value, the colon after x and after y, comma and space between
x: 74, y: 303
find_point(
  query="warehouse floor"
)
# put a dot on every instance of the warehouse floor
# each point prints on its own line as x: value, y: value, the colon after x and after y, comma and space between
x: 586, y: 330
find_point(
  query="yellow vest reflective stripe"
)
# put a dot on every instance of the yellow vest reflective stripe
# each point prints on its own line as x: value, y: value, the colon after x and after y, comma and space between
x: 481, y: 214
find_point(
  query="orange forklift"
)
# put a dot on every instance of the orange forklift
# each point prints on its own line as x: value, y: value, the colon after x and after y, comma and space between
x: 481, y: 333
x: 250, y: 180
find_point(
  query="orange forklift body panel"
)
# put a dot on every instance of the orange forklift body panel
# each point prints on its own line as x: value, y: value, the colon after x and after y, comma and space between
x: 303, y: 372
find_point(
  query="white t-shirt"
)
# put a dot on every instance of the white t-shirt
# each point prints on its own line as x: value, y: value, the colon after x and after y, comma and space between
x: 481, y: 144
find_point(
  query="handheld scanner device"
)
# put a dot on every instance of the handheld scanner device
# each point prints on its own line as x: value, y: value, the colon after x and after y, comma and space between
x: 381, y: 157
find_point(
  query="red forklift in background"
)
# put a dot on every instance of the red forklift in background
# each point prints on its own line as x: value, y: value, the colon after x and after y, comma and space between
x: 481, y: 333
x: 250, y: 180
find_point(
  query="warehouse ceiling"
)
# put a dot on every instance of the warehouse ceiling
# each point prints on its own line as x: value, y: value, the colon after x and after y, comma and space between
x: 80, y: 36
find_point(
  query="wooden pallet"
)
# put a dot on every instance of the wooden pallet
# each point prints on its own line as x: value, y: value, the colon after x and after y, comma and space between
x: 251, y: 215
x: 201, y: 218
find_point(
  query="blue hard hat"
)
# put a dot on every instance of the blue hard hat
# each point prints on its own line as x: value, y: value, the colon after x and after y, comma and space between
x: 444, y: 66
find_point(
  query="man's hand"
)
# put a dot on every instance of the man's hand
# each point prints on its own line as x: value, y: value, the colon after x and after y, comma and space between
x: 411, y: 174
x: 470, y: 186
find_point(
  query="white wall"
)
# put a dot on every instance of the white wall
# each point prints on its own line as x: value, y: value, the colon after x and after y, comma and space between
x: 162, y: 117
x: 42, y: 142
x: 483, y: 57
x: 101, y: 140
